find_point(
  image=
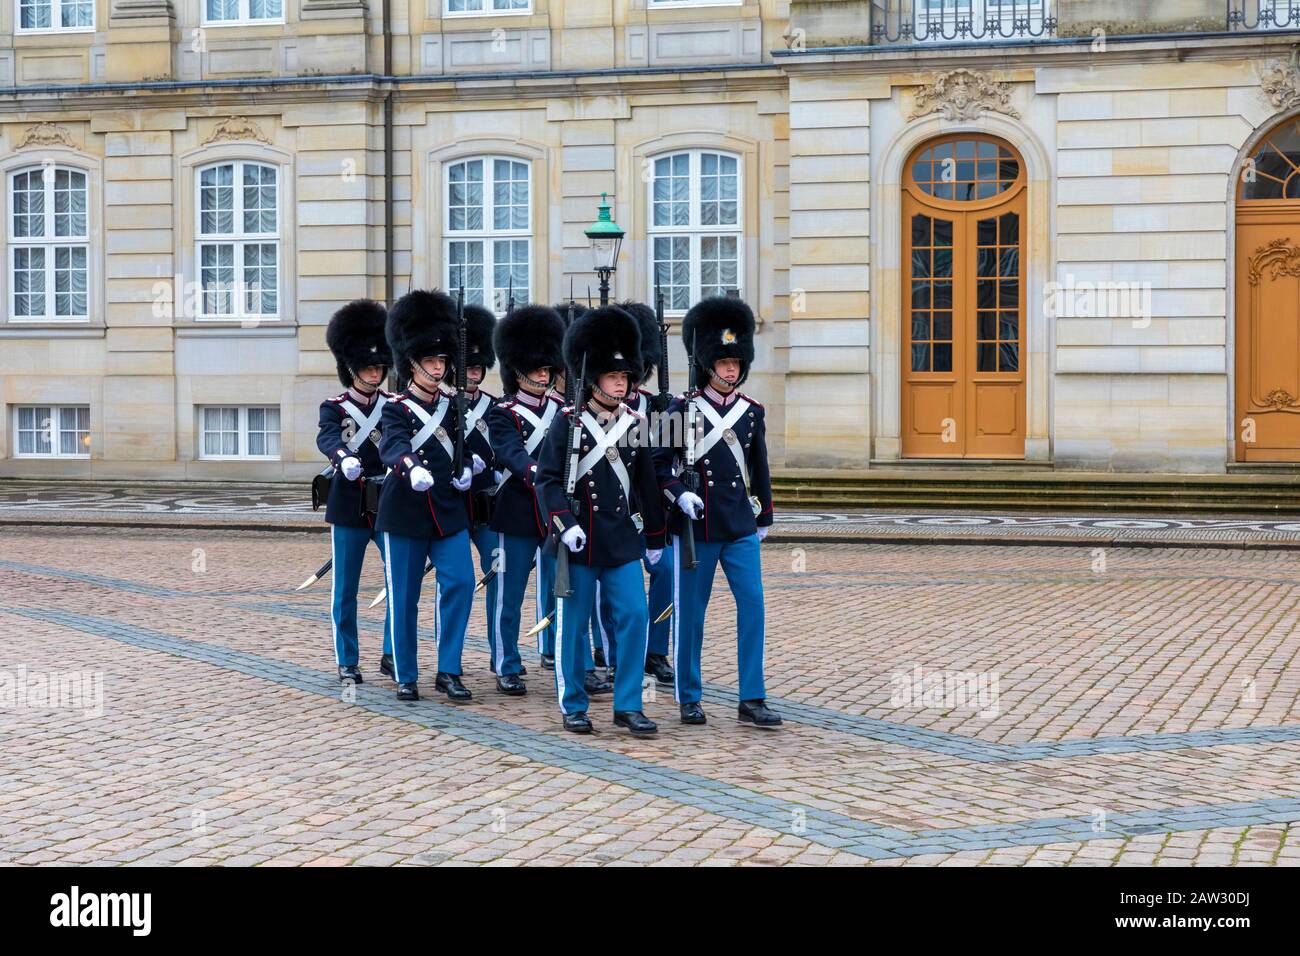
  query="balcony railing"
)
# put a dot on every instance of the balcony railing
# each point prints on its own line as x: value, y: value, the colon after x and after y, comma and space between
x: 1264, y: 14
x: 930, y: 21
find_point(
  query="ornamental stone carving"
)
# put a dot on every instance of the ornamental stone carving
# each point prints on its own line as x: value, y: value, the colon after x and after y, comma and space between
x: 963, y: 95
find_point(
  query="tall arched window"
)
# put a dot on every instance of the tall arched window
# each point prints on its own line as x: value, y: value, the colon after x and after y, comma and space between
x: 695, y: 226
x: 487, y: 242
x: 238, y: 243
x: 49, y: 244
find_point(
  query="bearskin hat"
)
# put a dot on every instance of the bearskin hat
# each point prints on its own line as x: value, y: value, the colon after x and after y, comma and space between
x: 649, y: 325
x: 421, y: 323
x: 355, y: 335
x: 610, y: 340
x: 527, y: 339
x: 479, y: 325
x: 720, y: 327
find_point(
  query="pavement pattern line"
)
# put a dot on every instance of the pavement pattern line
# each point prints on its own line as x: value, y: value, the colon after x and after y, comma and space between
x: 870, y: 728
x: 836, y: 831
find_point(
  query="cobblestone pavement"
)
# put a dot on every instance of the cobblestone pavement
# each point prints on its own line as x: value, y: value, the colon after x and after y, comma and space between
x: 1104, y: 706
x: 287, y: 507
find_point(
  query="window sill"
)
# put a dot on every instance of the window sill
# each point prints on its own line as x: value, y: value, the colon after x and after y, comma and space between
x: 213, y: 327
x: 50, y: 330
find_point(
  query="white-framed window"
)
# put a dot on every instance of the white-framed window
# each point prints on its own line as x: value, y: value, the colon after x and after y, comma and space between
x: 52, y: 431
x: 237, y: 249
x: 695, y: 227
x: 239, y: 431
x: 49, y: 244
x: 485, y: 8
x: 487, y: 242
x: 224, y: 13
x: 54, y: 16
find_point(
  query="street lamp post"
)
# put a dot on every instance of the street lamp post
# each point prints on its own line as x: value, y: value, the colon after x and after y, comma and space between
x: 606, y: 238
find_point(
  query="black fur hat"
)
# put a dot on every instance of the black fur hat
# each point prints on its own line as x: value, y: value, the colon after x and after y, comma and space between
x: 527, y: 339
x: 356, y: 337
x: 421, y: 323
x: 651, y: 354
x: 479, y: 324
x: 610, y: 340
x: 721, y: 327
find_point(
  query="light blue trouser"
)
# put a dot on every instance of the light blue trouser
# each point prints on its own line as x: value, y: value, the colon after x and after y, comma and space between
x: 516, y: 556
x: 545, y: 604
x: 627, y: 619
x: 348, y: 548
x: 691, y: 590
x: 659, y: 594
x: 404, y: 562
x: 485, y: 543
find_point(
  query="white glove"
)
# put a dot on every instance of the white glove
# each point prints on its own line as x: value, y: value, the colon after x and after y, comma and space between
x: 691, y: 504
x: 421, y: 480
x: 654, y: 554
x: 575, y: 539
x: 464, y: 481
x: 479, y: 465
x: 762, y: 532
x: 351, y: 468
x: 498, y: 477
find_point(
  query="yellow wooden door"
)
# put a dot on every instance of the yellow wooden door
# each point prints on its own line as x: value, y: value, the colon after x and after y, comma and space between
x: 963, y: 288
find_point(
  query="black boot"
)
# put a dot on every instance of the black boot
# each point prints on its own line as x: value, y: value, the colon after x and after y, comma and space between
x: 638, y: 723
x: 693, y: 714
x: 407, y: 692
x: 350, y: 675
x: 548, y: 662
x: 598, y: 656
x: 595, y: 685
x: 757, y: 712
x: 578, y: 723
x: 657, y: 664
x: 450, y: 685
x: 386, y: 667
x: 511, y: 685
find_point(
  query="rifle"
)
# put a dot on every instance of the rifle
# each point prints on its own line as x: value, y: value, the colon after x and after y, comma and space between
x: 665, y: 389
x: 690, y: 477
x: 458, y: 455
x: 563, y: 588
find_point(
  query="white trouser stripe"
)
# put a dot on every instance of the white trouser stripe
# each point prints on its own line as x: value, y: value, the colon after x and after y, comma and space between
x: 392, y: 602
x: 499, y: 564
x: 334, y: 582
x: 600, y: 622
x: 559, y: 651
x: 677, y: 619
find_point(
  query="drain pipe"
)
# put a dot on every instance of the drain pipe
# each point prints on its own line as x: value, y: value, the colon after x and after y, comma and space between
x: 388, y: 156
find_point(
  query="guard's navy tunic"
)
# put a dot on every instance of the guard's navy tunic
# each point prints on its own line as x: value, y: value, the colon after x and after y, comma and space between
x: 728, y: 515
x: 510, y: 425
x: 439, y: 512
x: 337, y: 426
x: 603, y: 511
x: 479, y: 504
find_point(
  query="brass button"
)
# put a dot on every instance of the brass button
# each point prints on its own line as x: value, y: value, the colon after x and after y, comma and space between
x: 710, y: 484
x: 709, y: 474
x: 595, y: 507
x: 593, y: 494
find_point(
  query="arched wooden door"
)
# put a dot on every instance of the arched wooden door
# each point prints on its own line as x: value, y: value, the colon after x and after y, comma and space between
x: 1268, y: 300
x: 963, y: 296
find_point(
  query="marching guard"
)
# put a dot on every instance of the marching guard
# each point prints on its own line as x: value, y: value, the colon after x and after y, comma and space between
x: 733, y: 511
x: 591, y: 483
x: 527, y: 342
x: 421, y: 511
x: 349, y: 437
x: 660, y: 590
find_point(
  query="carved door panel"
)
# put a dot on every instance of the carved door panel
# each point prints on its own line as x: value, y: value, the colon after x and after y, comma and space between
x: 1268, y: 342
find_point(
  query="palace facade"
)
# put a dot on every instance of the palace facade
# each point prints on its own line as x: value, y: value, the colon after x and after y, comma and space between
x: 1059, y: 232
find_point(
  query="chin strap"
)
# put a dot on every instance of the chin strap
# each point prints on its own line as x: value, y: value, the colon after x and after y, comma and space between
x: 604, y: 399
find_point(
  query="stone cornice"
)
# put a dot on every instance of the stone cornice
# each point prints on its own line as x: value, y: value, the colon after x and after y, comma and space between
x: 1028, y: 54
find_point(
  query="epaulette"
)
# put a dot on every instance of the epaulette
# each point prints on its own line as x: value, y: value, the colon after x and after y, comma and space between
x: 338, y: 399
x: 740, y: 394
x: 633, y: 412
